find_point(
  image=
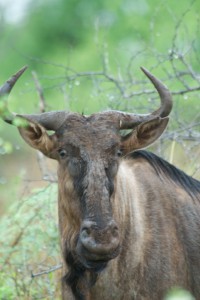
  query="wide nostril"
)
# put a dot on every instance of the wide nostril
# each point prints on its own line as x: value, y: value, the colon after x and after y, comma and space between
x: 99, y: 240
x: 86, y: 231
x: 115, y: 231
x: 88, y: 227
x: 113, y: 228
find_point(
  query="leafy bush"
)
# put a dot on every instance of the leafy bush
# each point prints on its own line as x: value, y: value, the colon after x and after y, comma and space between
x: 178, y: 294
x: 29, y: 248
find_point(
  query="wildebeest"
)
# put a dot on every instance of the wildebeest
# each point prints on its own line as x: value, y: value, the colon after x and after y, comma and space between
x: 129, y: 221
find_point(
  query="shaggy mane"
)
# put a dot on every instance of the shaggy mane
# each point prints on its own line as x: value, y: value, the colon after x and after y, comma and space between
x: 164, y: 168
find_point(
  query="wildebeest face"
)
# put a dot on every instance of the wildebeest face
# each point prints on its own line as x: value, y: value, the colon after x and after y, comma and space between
x: 87, y: 149
x: 88, y: 154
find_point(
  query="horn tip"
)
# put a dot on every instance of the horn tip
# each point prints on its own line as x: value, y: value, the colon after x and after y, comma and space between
x: 22, y: 70
x: 145, y: 71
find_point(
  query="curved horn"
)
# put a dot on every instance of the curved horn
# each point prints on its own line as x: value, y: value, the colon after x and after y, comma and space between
x: 8, y: 85
x: 129, y: 120
x: 53, y: 120
x: 50, y: 120
x: 5, y: 90
x: 164, y: 93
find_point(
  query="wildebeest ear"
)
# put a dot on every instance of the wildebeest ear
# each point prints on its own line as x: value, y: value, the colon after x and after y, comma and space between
x: 37, y: 137
x: 144, y: 134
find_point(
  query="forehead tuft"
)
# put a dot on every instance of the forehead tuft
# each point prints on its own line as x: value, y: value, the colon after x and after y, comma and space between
x: 88, y: 131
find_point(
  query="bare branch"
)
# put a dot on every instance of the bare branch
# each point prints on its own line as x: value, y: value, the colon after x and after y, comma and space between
x: 52, y: 269
x: 42, y: 104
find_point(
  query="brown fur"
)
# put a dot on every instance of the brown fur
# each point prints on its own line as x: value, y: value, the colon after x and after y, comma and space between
x: 154, y: 231
x: 156, y: 215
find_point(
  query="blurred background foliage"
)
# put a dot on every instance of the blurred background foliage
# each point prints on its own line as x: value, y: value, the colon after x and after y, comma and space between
x: 85, y: 55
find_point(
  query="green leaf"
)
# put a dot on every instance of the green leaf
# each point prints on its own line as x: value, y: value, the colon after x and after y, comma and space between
x: 20, y: 122
x: 178, y: 294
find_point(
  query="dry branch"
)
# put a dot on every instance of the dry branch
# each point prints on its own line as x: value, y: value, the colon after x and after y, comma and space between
x: 52, y: 269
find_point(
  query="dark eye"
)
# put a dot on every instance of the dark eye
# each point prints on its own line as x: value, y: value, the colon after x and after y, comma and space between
x: 62, y: 153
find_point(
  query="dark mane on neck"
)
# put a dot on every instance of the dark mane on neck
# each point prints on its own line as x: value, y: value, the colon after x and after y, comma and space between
x: 165, y: 169
x: 79, y: 278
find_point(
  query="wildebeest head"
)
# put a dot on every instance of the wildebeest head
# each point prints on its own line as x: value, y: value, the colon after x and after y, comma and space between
x: 89, y: 149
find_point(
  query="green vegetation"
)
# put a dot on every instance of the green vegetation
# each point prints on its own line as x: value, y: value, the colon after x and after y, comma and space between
x: 178, y: 294
x: 29, y: 245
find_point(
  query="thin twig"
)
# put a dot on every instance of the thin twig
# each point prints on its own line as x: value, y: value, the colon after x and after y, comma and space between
x: 42, y: 104
x: 53, y: 269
